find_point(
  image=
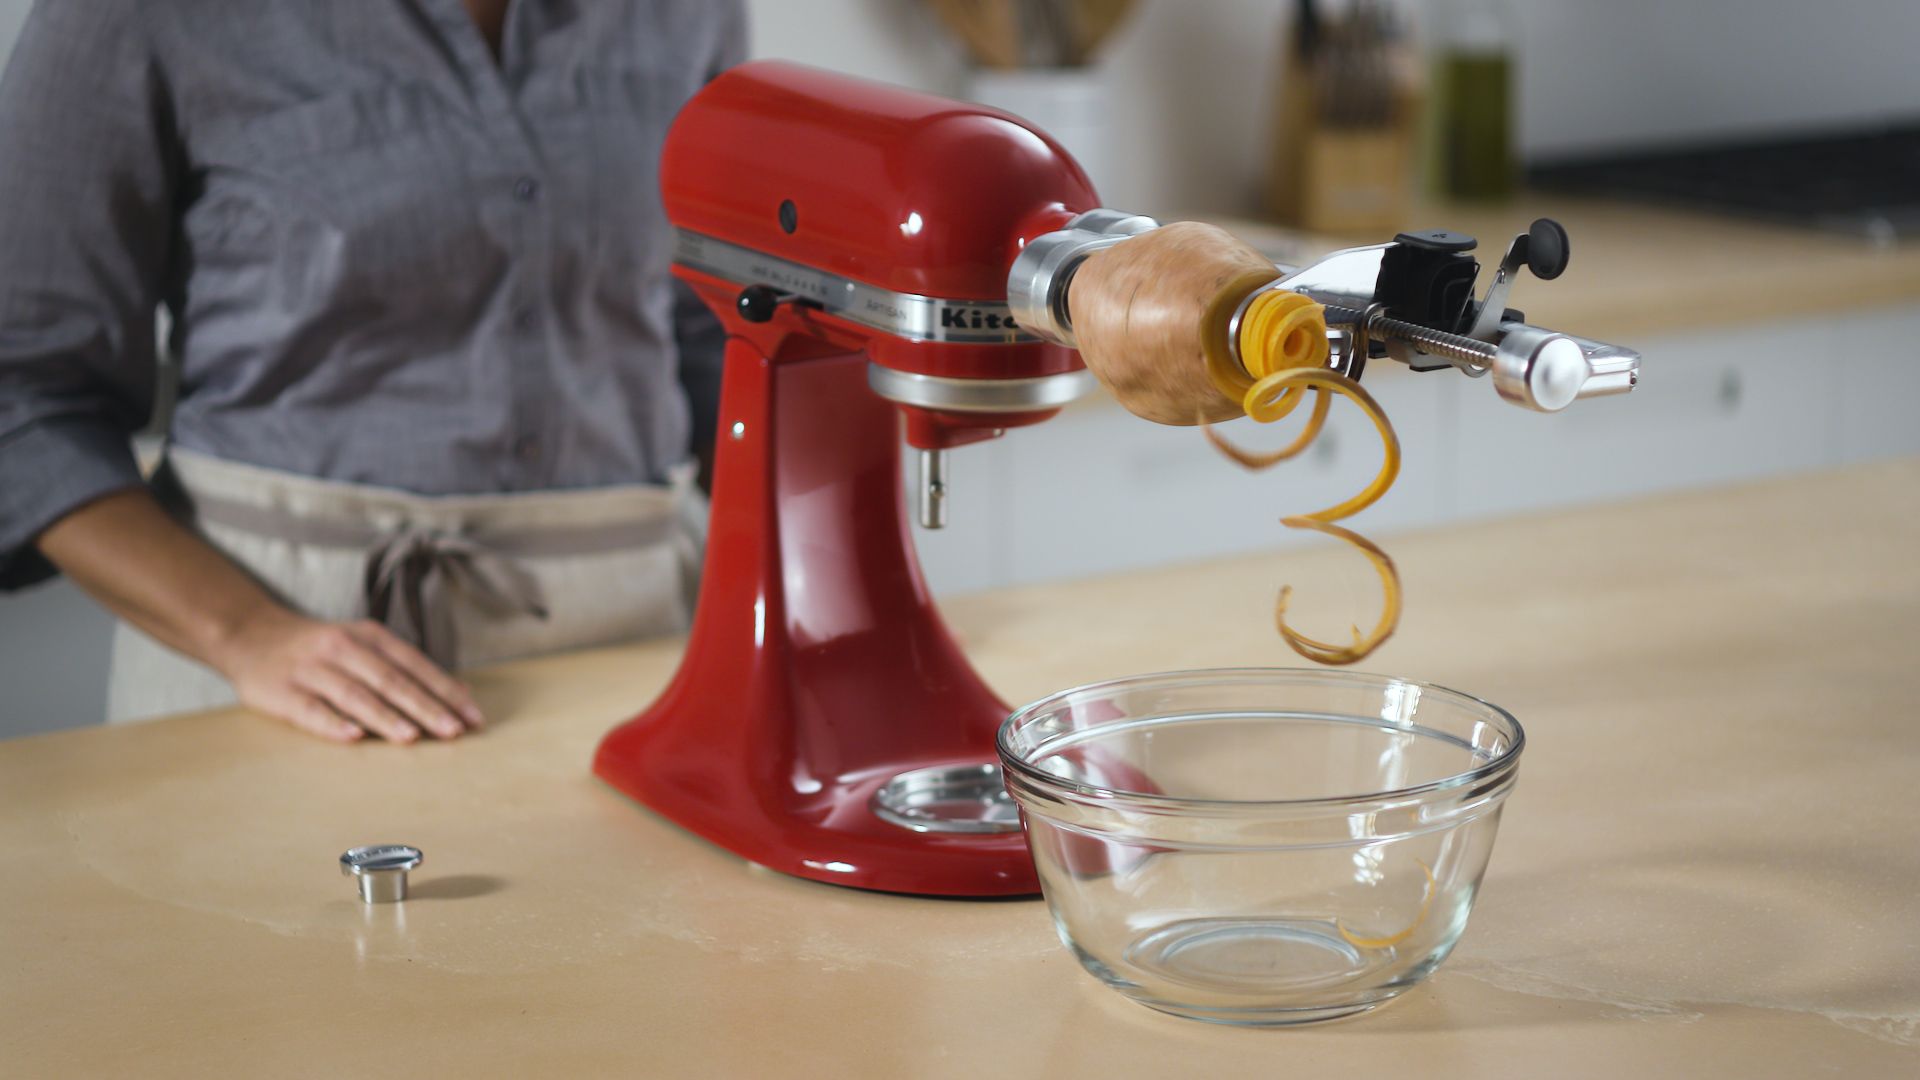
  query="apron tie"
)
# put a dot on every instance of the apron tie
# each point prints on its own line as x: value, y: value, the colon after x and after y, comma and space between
x: 409, y: 573
x: 412, y: 571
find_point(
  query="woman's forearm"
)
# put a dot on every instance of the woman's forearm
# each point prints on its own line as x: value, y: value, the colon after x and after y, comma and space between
x: 335, y: 680
x: 147, y: 568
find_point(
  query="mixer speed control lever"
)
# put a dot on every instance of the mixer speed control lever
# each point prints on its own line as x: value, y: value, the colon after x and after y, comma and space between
x: 757, y: 303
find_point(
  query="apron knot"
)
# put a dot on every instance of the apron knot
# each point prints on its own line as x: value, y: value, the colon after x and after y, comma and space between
x: 410, y: 577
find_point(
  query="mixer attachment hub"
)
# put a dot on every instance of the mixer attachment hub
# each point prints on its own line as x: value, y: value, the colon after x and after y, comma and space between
x: 948, y: 799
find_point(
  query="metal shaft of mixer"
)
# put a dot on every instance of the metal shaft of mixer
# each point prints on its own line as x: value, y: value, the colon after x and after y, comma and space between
x: 933, y: 489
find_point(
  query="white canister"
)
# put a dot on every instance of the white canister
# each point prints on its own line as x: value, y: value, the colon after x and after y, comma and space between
x: 1070, y: 104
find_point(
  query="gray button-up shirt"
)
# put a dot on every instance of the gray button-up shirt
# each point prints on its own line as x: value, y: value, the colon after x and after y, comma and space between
x: 388, y: 257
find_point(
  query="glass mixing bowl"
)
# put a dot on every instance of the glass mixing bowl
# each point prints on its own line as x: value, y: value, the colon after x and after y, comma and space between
x: 1260, y: 846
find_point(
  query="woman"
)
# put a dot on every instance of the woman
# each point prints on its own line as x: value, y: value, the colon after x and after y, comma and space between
x: 416, y: 264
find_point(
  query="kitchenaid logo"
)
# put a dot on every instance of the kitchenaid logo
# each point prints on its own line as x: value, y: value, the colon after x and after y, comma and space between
x: 973, y: 318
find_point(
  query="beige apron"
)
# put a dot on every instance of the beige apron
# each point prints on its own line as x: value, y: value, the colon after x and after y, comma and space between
x: 472, y: 579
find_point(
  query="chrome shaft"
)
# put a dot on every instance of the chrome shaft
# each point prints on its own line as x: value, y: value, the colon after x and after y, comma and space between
x: 1428, y: 340
x: 933, y: 489
x: 1532, y: 367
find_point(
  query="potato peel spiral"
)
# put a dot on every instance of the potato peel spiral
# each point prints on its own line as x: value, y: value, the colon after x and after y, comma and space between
x: 1269, y: 346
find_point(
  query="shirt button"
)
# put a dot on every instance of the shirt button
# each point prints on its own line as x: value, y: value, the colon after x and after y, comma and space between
x: 526, y: 188
x: 527, y: 448
x: 527, y: 318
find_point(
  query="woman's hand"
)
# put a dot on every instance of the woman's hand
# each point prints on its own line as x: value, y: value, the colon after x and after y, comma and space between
x: 339, y: 681
x: 343, y: 681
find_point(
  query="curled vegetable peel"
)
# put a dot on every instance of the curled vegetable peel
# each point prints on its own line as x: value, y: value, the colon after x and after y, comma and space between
x: 1326, y: 652
x: 1390, y: 940
x: 1282, y: 345
x: 1255, y: 460
x: 1260, y: 403
x: 1279, y: 330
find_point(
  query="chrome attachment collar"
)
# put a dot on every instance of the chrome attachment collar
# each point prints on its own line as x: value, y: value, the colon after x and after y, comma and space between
x: 1041, y: 274
x: 978, y: 395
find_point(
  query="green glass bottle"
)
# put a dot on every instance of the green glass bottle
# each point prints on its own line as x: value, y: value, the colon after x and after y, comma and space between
x: 1473, y: 71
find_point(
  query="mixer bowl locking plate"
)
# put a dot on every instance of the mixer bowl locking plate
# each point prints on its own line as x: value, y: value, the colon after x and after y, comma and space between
x: 948, y: 799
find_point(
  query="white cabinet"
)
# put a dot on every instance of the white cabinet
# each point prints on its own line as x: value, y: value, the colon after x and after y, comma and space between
x: 54, y: 644
x: 969, y: 553
x: 1876, y: 409
x: 1714, y: 407
x: 1097, y: 491
x: 1706, y: 410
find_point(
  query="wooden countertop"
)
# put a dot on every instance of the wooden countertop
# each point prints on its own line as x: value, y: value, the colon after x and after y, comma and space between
x: 1638, y: 271
x: 1710, y: 868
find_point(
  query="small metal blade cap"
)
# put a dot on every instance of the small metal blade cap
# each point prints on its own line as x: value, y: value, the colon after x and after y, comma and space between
x: 381, y: 870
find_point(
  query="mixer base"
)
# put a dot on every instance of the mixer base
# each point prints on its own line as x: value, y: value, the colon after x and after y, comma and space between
x: 835, y: 837
x: 819, y: 672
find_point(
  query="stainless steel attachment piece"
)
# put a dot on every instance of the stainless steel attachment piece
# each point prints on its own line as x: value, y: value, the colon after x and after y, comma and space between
x: 1037, y: 284
x: 1541, y: 369
x: 933, y: 489
x: 381, y: 870
x: 948, y: 799
x: 965, y: 395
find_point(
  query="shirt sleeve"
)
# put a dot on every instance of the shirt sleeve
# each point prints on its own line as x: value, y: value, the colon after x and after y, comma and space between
x: 733, y: 37
x: 86, y: 221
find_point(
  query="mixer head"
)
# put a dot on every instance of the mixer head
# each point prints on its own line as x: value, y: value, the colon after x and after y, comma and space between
x: 821, y: 213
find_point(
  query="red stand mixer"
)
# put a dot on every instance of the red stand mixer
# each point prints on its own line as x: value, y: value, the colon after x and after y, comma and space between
x: 855, y: 240
x: 887, y: 261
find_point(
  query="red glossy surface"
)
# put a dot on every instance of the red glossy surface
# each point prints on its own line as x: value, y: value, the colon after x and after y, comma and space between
x: 931, y: 429
x: 897, y: 189
x: 818, y: 667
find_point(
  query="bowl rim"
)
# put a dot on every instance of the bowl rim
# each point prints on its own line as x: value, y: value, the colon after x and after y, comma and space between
x: 1506, y: 762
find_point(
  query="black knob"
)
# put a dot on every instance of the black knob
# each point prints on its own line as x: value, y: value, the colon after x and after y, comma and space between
x: 758, y: 302
x: 1547, y: 249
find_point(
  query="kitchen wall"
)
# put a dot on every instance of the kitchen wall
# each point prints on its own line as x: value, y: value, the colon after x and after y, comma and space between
x: 1189, y: 82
